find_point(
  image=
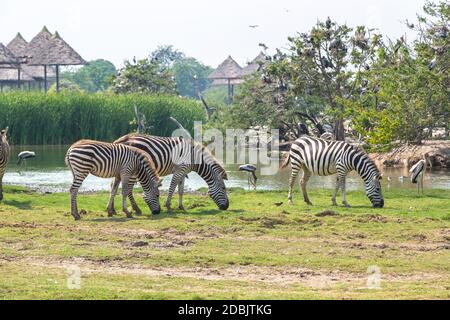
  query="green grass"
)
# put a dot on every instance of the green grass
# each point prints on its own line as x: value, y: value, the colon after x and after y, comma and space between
x: 256, y: 249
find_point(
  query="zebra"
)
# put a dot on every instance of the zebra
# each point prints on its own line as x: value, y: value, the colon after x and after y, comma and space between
x: 109, y: 160
x: 323, y: 157
x: 179, y: 156
x: 4, y: 157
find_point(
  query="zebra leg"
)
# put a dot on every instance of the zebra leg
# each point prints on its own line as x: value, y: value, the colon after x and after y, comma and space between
x: 344, y: 198
x: 294, y: 173
x: 1, y: 186
x: 180, y: 194
x: 114, y: 186
x: 77, y: 181
x: 303, y: 182
x: 178, y: 175
x: 125, y: 184
x: 134, y: 204
x: 336, y: 190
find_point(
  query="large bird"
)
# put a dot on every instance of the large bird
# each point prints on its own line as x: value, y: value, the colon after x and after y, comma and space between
x: 417, y: 172
x: 250, y: 169
x: 24, y: 155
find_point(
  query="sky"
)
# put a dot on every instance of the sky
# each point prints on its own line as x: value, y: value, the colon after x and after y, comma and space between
x: 207, y: 30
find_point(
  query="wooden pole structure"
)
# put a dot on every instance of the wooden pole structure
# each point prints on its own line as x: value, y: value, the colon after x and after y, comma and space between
x: 57, y: 78
x: 45, y: 78
x: 18, y: 77
x: 229, y: 91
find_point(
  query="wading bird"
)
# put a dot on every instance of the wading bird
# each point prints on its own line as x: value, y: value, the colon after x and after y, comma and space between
x: 418, y: 170
x: 251, y: 176
x: 24, y: 155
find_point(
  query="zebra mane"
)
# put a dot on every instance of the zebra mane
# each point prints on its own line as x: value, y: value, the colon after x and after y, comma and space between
x: 210, y: 159
x: 146, y: 158
x: 370, y: 162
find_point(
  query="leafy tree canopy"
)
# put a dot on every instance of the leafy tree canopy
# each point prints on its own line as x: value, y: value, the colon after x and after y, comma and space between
x: 93, y: 77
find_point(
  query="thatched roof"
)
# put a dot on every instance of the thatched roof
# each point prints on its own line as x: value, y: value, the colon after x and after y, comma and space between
x: 7, y: 58
x: 18, y: 46
x: 11, y: 75
x: 56, y: 52
x: 254, y: 65
x: 228, y: 69
x: 38, y: 43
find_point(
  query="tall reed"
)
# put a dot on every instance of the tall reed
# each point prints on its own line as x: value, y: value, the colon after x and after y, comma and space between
x: 37, y: 118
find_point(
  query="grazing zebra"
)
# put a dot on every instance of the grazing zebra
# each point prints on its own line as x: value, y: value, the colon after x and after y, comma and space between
x: 323, y: 158
x: 179, y: 156
x: 109, y: 160
x: 4, y: 157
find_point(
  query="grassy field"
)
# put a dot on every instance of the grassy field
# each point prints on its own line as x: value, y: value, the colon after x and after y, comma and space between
x: 259, y: 248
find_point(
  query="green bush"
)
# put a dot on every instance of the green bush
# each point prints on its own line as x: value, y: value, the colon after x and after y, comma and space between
x: 38, y: 118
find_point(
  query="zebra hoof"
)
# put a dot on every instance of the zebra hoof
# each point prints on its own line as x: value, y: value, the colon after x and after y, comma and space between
x: 76, y: 216
x: 111, y: 212
x: 129, y: 215
x: 181, y: 208
x: 138, y: 212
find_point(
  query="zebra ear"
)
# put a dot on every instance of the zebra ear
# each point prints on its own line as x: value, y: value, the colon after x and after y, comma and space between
x: 381, y: 177
x: 160, y: 182
x: 224, y: 176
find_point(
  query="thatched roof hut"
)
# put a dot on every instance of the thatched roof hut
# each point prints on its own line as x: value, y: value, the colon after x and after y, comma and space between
x: 18, y: 46
x: 56, y: 52
x: 254, y: 65
x: 7, y: 58
x: 228, y: 72
x: 10, y: 75
x: 38, y: 43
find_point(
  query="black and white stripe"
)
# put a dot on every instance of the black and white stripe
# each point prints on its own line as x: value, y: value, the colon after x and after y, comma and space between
x: 323, y: 157
x: 107, y: 160
x: 179, y: 156
x: 4, y: 157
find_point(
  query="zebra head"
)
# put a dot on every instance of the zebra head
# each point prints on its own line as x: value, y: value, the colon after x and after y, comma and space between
x: 217, y: 190
x: 373, y: 190
x: 151, y: 197
x: 4, y: 135
x: 150, y: 182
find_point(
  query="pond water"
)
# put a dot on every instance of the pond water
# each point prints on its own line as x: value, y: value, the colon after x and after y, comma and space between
x: 48, y: 173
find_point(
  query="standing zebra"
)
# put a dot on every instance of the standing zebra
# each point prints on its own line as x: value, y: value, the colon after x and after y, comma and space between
x: 4, y: 157
x: 179, y: 156
x: 323, y: 158
x: 109, y: 160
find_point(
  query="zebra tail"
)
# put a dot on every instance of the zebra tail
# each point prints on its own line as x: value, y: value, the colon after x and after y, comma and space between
x: 286, y: 161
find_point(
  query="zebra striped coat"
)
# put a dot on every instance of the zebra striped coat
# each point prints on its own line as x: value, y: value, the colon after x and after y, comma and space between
x: 107, y: 160
x: 322, y: 157
x: 4, y: 157
x: 178, y: 156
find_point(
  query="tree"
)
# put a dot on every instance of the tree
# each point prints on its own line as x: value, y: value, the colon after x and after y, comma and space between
x: 315, y: 75
x: 191, y: 76
x: 405, y: 95
x: 65, y: 86
x: 166, y: 56
x: 93, y: 77
x: 144, y: 76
